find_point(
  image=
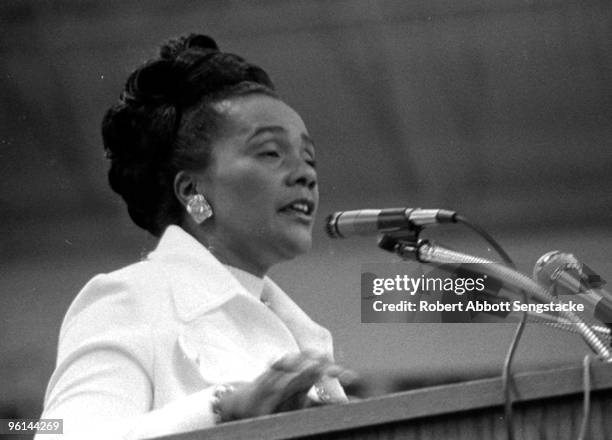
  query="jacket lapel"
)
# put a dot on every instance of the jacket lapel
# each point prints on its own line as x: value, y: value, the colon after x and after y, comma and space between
x: 309, y: 336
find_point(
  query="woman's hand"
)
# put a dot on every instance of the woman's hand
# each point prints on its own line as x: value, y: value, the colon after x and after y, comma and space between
x: 283, y: 387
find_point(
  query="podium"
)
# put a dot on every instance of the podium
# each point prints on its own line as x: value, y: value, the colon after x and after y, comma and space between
x: 547, y: 405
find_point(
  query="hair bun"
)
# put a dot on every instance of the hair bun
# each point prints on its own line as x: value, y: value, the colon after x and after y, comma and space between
x: 202, y: 42
x: 158, y: 82
x: 173, y: 48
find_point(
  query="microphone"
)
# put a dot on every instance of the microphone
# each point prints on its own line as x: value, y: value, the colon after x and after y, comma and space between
x: 344, y: 224
x: 566, y: 272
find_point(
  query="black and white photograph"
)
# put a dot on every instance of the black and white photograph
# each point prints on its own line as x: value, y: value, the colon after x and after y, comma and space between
x: 300, y: 219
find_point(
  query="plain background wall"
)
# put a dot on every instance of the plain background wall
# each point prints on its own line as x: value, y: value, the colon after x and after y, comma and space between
x: 500, y: 110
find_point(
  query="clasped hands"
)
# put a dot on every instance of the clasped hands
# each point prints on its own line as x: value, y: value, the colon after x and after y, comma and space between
x: 282, y: 387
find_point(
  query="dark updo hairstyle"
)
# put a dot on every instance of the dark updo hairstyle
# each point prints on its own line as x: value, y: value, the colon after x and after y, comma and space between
x: 165, y: 120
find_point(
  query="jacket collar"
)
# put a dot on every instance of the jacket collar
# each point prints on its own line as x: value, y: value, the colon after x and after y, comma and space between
x: 199, y: 281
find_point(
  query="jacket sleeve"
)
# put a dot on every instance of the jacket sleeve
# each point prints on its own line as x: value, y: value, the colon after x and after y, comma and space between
x: 102, y: 385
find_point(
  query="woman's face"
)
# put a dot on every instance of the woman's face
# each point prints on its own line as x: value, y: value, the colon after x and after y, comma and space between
x: 261, y: 184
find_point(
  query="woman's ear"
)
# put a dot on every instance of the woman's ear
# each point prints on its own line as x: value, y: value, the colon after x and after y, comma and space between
x: 185, y: 186
x: 189, y: 194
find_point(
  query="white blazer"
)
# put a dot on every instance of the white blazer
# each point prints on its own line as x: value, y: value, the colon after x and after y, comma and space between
x: 141, y: 349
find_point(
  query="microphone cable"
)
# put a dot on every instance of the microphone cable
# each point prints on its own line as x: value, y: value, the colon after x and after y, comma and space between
x: 518, y: 332
x: 507, y: 373
x: 489, y: 239
x: 586, y: 402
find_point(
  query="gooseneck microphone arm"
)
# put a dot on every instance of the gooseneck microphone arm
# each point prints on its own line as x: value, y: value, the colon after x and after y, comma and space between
x: 602, y: 332
x: 426, y: 252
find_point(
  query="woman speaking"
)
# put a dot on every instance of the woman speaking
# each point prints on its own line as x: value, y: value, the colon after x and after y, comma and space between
x: 211, y: 161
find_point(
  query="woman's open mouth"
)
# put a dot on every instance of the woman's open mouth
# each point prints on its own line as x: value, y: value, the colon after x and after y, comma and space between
x: 300, y: 208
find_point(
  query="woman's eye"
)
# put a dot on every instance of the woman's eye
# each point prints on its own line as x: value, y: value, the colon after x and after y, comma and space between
x: 312, y: 163
x: 270, y: 153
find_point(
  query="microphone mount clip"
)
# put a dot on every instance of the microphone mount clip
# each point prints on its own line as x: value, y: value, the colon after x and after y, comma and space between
x: 404, y: 242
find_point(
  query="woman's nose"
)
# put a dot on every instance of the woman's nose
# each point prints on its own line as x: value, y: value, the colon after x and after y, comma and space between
x: 303, y: 173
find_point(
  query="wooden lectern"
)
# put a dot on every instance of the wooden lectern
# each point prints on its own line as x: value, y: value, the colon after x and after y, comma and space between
x: 548, y: 405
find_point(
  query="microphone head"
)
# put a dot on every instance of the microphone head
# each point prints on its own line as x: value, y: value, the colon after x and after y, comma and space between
x: 552, y: 264
x: 331, y: 225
